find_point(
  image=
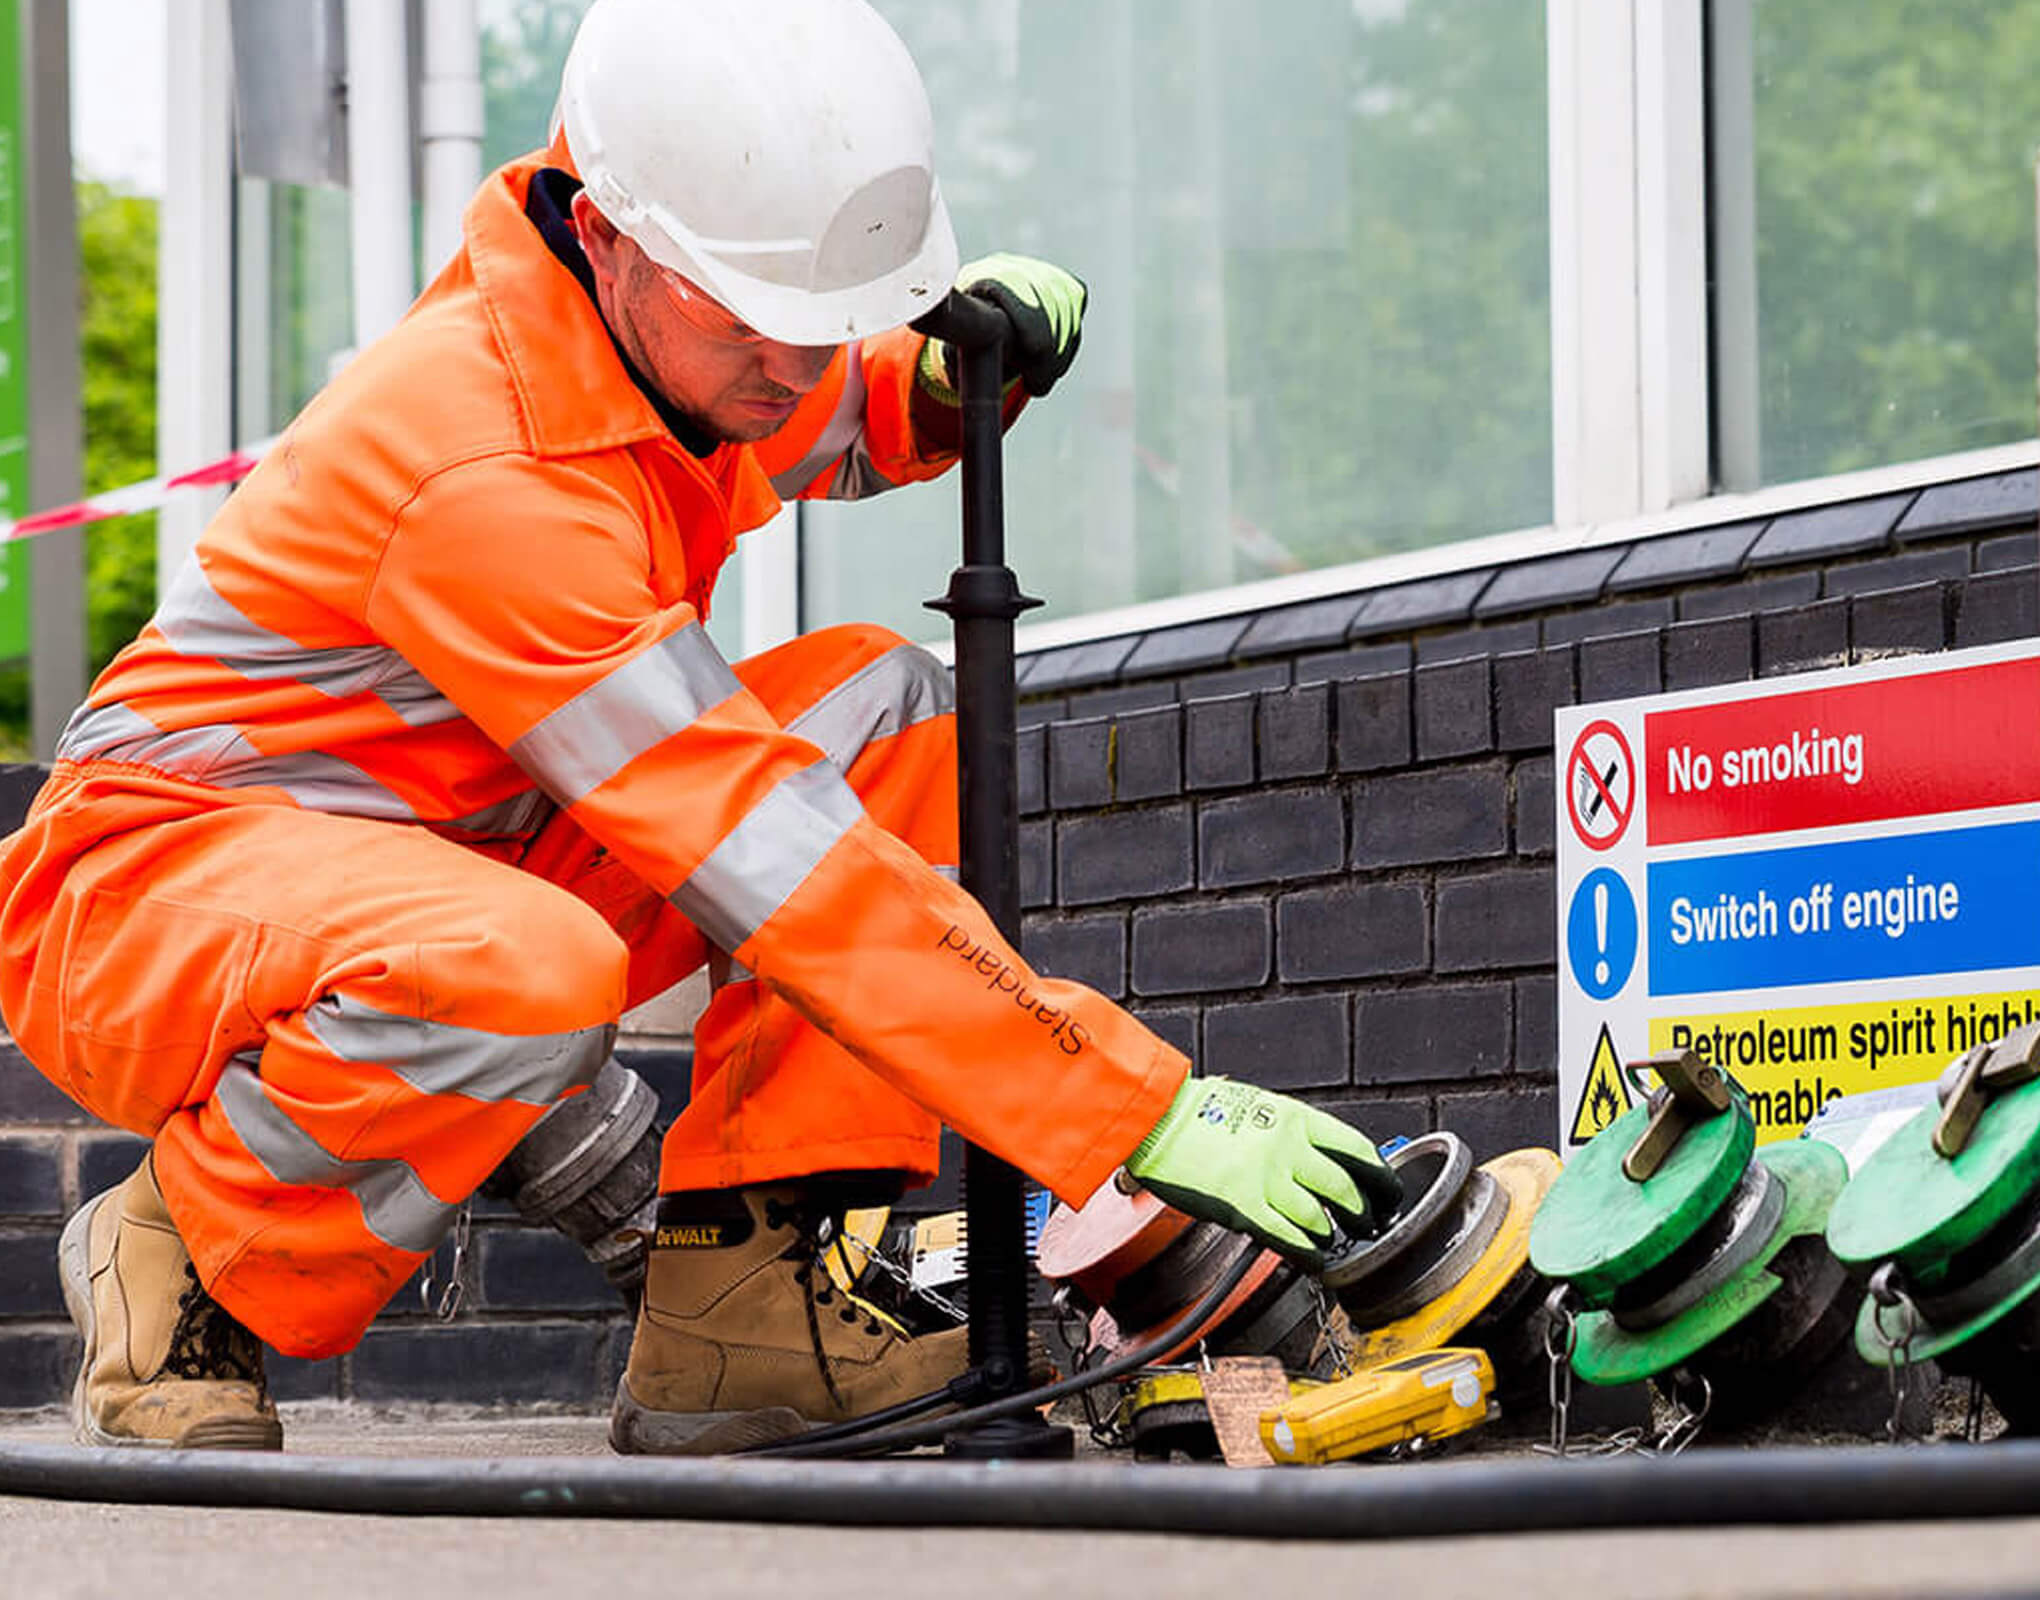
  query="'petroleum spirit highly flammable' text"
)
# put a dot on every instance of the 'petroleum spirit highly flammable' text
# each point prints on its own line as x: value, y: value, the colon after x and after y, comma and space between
x: 1070, y: 1035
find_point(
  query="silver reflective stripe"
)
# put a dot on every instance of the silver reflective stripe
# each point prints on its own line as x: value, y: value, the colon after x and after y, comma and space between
x: 768, y: 855
x: 316, y: 781
x: 95, y: 730
x: 198, y: 621
x: 844, y: 427
x: 116, y: 733
x: 860, y: 478
x: 519, y: 815
x: 395, y: 1204
x: 953, y: 874
x: 904, y: 686
x: 640, y: 705
x: 439, y: 1058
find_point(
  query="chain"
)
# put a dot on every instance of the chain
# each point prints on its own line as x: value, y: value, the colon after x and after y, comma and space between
x: 1110, y: 1430
x: 1887, y: 1293
x: 1561, y: 1339
x: 442, y: 1296
x: 1684, y: 1426
x: 1328, y: 1336
x: 891, y: 1269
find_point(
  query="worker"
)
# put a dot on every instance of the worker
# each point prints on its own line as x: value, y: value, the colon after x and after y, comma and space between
x: 425, y: 770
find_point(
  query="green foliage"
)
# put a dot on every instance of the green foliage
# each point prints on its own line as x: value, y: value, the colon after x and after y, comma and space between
x: 521, y: 59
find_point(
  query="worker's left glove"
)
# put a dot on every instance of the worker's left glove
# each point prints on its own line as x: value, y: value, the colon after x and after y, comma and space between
x: 1044, y: 310
x: 1266, y: 1165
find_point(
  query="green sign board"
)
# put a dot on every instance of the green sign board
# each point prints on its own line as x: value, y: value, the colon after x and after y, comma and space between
x: 14, y: 486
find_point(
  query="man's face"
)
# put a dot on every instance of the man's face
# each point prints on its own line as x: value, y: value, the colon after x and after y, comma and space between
x: 734, y: 383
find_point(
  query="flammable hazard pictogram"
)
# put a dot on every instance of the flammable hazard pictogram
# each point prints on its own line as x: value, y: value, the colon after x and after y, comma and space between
x: 1605, y: 1095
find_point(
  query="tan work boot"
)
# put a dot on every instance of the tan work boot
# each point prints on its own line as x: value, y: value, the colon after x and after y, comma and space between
x: 742, y: 1338
x: 164, y: 1363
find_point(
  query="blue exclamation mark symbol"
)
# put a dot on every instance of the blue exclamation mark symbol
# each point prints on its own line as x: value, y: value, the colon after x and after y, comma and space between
x: 1600, y: 935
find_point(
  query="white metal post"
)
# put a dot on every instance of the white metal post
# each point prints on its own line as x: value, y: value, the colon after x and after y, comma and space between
x: 450, y: 123
x: 379, y: 165
x: 195, y: 273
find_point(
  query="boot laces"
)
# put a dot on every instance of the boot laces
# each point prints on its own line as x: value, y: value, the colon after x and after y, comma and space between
x: 807, y: 1247
x: 208, y: 1343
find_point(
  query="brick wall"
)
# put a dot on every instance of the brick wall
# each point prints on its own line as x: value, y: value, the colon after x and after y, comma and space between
x: 1313, y: 846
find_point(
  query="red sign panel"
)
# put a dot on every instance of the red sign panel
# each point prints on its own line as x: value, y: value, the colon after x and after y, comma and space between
x: 1898, y: 747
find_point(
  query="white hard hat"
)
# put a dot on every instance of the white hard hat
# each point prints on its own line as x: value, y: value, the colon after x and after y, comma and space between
x: 779, y: 153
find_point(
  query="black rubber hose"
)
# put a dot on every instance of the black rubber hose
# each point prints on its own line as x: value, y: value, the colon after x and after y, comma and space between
x: 1877, y: 1483
x: 856, y: 1439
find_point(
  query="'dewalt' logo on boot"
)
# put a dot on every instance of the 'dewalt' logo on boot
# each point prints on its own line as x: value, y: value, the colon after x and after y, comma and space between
x: 702, y: 1221
x: 692, y: 1236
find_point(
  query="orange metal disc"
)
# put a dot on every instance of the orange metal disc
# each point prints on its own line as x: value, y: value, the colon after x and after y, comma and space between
x: 1112, y: 1235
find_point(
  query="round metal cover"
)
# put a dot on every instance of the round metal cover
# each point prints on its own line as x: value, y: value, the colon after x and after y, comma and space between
x: 1434, y: 1168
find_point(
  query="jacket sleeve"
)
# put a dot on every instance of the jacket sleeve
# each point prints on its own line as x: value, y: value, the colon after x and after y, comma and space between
x: 522, y: 591
x: 867, y: 426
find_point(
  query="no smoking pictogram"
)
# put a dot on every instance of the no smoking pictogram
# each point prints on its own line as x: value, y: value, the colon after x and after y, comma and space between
x: 1600, y: 785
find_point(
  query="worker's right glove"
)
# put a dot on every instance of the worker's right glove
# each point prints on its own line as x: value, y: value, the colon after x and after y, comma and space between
x: 1266, y: 1165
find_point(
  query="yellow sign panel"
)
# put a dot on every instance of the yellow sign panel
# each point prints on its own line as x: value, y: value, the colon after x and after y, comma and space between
x: 1605, y: 1094
x: 1794, y: 1059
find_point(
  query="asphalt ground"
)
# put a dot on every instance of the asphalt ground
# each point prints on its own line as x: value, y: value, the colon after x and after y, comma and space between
x: 56, y: 1550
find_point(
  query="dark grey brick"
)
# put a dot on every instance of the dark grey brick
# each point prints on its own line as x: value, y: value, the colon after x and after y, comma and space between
x: 1313, y: 625
x: 1379, y: 1117
x: 1529, y: 686
x: 1895, y: 572
x: 1372, y: 723
x: 1123, y: 856
x: 1819, y: 533
x: 1218, y: 743
x: 1364, y: 661
x: 1614, y: 669
x: 1190, y: 949
x: 1549, y: 581
x: 1497, y: 919
x: 1802, y: 639
x: 1030, y: 758
x: 1492, y: 639
x: 1454, y: 709
x: 1034, y: 713
x: 1993, y: 607
x: 37, y: 1366
x: 31, y: 1184
x: 2005, y: 500
x: 1117, y: 702
x: 1147, y: 755
x: 1536, y: 807
x: 1295, y: 733
x: 1080, y: 764
x: 1682, y: 558
x: 107, y: 1159
x: 1175, y: 1024
x: 28, y: 1272
x: 1606, y: 621
x: 1747, y: 599
x: 1422, y: 604
x: 2013, y: 550
x: 1170, y: 651
x: 1269, y: 838
x: 1356, y: 930
x: 1900, y: 621
x: 20, y: 783
x: 1496, y: 1121
x: 1537, y: 1027
x: 27, y: 1096
x: 1234, y: 680
x: 1455, y: 814
x: 479, y: 1363
x: 540, y: 1269
x: 1443, y: 1031
x: 1302, y: 1042
x: 1037, y: 862
x: 292, y: 1378
x: 1718, y: 650
x: 1078, y: 666
x: 1091, y: 950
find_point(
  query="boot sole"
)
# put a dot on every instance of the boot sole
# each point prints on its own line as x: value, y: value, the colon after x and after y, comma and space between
x: 74, y: 1271
x: 635, y: 1429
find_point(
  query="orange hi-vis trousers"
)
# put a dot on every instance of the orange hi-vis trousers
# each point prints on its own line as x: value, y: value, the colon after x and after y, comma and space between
x: 335, y: 1028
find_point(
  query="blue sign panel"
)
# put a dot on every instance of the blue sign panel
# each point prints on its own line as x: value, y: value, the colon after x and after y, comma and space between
x: 1959, y: 900
x: 1600, y: 933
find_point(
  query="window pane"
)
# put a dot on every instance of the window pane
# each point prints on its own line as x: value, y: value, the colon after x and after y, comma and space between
x: 1883, y: 151
x: 311, y: 308
x: 1316, y: 240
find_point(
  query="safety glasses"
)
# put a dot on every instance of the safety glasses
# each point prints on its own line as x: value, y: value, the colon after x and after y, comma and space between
x: 706, y: 316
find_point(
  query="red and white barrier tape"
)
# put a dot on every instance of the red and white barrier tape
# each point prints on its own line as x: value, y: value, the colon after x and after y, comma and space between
x: 147, y: 495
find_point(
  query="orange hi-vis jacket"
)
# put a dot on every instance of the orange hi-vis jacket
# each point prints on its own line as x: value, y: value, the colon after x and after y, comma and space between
x: 463, y: 595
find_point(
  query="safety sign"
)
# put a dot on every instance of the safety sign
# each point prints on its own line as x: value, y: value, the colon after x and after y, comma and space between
x: 1823, y: 884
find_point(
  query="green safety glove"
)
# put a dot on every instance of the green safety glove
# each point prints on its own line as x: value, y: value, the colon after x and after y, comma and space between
x: 1266, y: 1165
x: 1044, y: 306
